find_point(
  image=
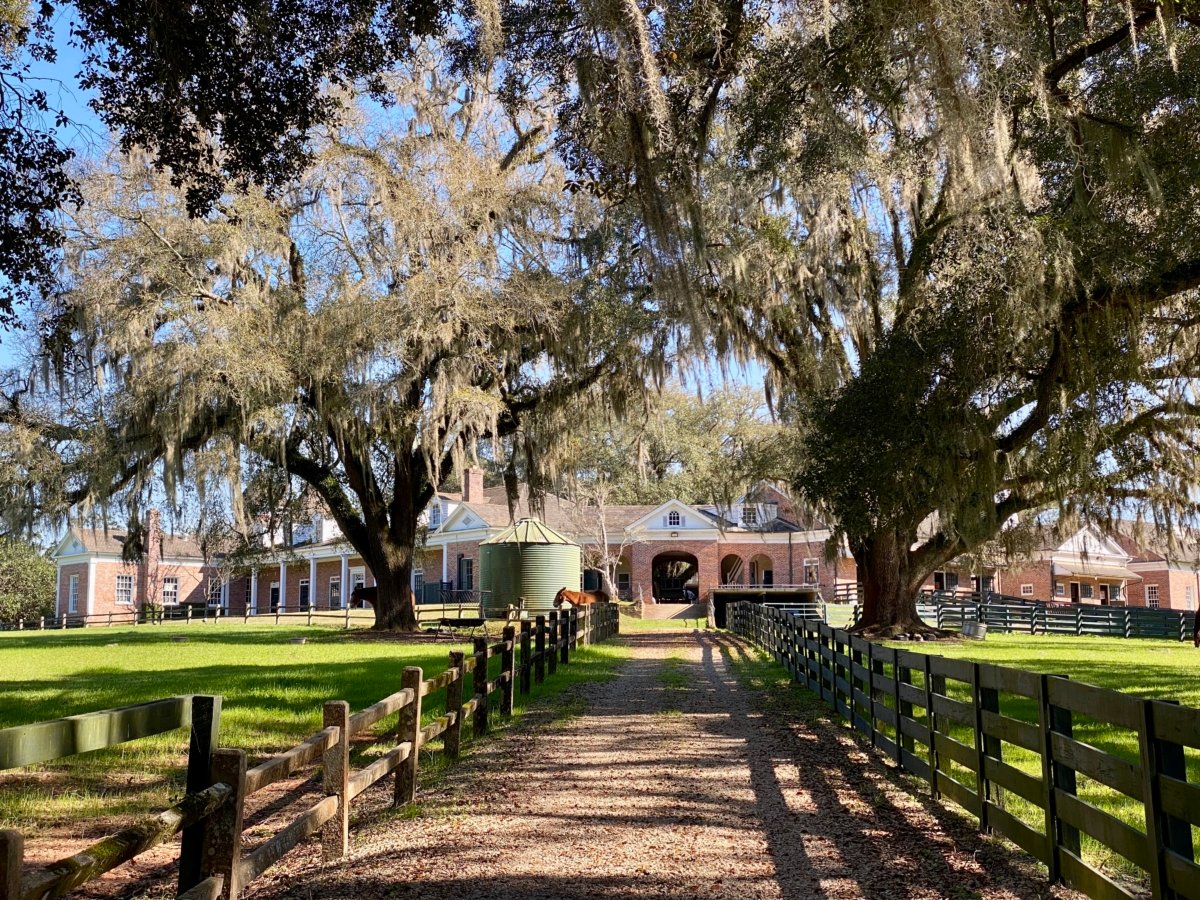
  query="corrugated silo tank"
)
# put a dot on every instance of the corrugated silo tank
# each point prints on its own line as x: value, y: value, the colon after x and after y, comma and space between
x: 530, y: 560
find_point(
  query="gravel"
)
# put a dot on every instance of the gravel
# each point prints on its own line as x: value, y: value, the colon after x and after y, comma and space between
x: 672, y: 781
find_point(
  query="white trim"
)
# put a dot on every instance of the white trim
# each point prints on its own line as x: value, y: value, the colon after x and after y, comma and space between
x: 345, y: 573
x: 283, y: 585
x: 312, y: 582
x: 445, y: 562
x: 91, y: 589
x: 254, y: 592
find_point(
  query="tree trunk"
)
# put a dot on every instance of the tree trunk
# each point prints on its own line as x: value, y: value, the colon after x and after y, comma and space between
x: 889, y: 587
x: 391, y: 560
x: 395, y: 609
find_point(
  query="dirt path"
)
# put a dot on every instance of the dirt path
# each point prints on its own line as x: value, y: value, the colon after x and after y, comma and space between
x: 672, y: 783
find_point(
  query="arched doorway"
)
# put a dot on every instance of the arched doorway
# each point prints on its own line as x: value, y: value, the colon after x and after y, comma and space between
x: 676, y: 577
x: 732, y: 569
x: 762, y: 571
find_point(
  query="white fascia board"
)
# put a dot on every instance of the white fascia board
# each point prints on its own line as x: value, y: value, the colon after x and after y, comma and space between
x: 442, y: 538
x: 775, y: 537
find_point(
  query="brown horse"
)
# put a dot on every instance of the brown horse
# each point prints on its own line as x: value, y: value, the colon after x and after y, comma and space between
x: 579, y: 598
x: 363, y: 596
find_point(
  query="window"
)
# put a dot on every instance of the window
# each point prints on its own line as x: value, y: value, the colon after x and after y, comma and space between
x: 1152, y: 596
x: 170, y: 591
x: 749, y: 515
x: 466, y: 574
x: 1085, y: 591
x: 623, y: 584
x: 335, y: 592
x: 1027, y: 590
x: 73, y: 594
x: 274, y: 596
x: 812, y: 571
x: 674, y: 519
x: 358, y: 578
x: 1189, y: 597
x: 418, y: 585
x: 1060, y: 589
x: 124, y: 589
x: 304, y: 593
x: 214, y: 592
x: 435, y: 514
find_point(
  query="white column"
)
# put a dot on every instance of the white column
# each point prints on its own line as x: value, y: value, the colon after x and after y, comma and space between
x: 345, y: 598
x: 91, y: 591
x: 225, y: 595
x: 445, y: 561
x: 254, y: 592
x: 58, y: 600
x: 283, y: 586
x: 312, y: 582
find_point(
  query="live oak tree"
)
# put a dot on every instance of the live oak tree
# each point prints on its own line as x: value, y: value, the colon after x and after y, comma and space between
x: 425, y: 285
x: 963, y: 236
x: 992, y: 251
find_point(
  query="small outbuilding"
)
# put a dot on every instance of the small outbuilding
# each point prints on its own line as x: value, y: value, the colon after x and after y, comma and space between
x: 529, y: 561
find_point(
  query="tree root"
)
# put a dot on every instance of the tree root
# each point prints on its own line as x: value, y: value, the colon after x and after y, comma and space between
x: 905, y: 631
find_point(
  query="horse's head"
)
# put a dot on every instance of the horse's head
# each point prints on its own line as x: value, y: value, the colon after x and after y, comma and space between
x: 558, y: 598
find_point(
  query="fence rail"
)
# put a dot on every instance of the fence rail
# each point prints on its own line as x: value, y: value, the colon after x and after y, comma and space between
x: 467, y: 605
x: 879, y: 691
x: 214, y: 863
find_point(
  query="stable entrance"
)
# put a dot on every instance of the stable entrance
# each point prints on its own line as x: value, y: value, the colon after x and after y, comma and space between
x: 676, y: 577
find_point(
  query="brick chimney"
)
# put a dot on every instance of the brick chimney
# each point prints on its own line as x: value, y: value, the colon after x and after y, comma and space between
x: 473, y: 485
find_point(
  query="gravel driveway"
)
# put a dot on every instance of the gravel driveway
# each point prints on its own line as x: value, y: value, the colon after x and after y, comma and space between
x: 671, y: 782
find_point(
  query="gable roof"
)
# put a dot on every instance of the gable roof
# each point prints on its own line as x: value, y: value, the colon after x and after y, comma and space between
x: 111, y: 542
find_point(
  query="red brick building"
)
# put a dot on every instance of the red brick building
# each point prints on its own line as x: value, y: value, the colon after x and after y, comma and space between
x: 93, y: 579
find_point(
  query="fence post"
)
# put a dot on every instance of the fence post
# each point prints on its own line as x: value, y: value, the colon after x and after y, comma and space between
x: 933, y: 683
x: 1128, y: 623
x: 986, y: 700
x: 409, y: 729
x: 223, y: 836
x: 1055, y: 720
x: 335, y: 834
x: 205, y: 734
x: 552, y: 659
x: 573, y: 636
x: 347, y: 623
x: 309, y: 622
x: 1162, y: 831
x: 452, y: 738
x: 900, y: 707
x: 12, y: 852
x: 188, y: 616
x: 526, y: 653
x: 479, y: 685
x: 508, y: 670
x: 539, y: 666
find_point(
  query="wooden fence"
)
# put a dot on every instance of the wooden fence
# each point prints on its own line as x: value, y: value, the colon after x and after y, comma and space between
x: 214, y: 863
x: 213, y: 615
x: 941, y: 719
x: 1064, y: 618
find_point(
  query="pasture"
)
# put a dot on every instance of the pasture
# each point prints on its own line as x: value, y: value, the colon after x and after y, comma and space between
x: 273, y: 691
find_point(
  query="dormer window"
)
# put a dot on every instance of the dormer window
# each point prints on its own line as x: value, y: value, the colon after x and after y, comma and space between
x: 435, y: 515
x: 674, y: 519
x: 749, y: 516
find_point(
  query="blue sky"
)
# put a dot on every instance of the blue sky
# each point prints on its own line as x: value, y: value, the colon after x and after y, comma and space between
x: 84, y: 133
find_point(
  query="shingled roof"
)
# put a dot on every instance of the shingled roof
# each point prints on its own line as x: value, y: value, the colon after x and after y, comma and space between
x: 111, y: 542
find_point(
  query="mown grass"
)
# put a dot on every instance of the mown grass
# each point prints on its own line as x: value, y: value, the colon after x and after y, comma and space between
x: 273, y: 691
x: 1158, y: 669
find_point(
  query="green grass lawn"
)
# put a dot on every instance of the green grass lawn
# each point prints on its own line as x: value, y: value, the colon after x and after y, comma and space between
x: 1167, y: 670
x: 273, y: 693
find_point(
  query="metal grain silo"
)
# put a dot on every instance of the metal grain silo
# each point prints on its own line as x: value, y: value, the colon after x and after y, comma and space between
x: 529, y: 560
